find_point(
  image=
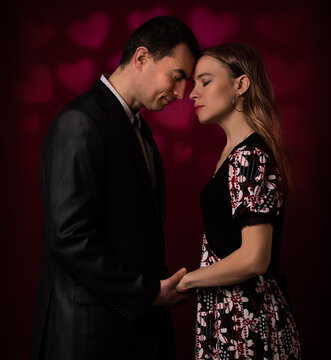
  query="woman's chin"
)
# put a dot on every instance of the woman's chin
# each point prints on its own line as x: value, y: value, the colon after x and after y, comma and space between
x: 202, y: 120
x: 205, y: 121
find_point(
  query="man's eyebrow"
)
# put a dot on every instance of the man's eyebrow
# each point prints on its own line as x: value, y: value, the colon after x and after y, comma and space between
x: 182, y: 72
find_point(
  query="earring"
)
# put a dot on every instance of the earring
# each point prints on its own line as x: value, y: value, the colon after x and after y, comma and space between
x: 234, y: 103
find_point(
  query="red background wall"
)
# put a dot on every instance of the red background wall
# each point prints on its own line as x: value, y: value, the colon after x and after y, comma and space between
x: 52, y: 53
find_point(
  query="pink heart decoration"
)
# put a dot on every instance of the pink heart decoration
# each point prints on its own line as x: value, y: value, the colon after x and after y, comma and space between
x: 31, y: 125
x: 288, y: 77
x: 91, y: 33
x: 182, y: 152
x: 38, y: 87
x: 76, y: 76
x: 135, y: 19
x: 212, y: 29
x: 282, y: 28
x: 35, y: 35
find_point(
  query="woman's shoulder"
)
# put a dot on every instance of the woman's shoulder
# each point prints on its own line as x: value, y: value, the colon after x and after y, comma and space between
x: 254, y: 180
x: 258, y: 142
x: 253, y: 147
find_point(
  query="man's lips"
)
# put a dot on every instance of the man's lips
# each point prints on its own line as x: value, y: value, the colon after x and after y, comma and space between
x: 198, y: 107
x: 167, y: 100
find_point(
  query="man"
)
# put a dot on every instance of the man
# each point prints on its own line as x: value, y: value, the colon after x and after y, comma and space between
x: 104, y: 290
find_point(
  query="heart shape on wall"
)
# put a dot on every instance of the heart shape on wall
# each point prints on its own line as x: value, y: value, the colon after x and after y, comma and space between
x: 92, y: 33
x: 136, y: 18
x: 212, y: 29
x: 76, y: 76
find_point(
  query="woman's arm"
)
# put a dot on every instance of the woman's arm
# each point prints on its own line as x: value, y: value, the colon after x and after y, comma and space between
x: 251, y: 259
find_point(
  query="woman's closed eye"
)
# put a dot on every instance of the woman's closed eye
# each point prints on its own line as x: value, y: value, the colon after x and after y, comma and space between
x: 206, y: 82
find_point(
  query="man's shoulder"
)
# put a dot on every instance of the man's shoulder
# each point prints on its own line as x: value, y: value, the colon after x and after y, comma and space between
x: 81, y: 104
x: 98, y: 103
x: 93, y: 110
x: 71, y: 124
x: 83, y: 109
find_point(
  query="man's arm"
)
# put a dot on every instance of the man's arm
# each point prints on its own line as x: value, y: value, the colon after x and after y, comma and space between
x: 72, y: 175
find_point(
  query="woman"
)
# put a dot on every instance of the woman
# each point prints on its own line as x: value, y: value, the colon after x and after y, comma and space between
x: 242, y: 311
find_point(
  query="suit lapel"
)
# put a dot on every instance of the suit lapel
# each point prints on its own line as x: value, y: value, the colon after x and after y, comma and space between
x: 159, y: 171
x: 128, y: 137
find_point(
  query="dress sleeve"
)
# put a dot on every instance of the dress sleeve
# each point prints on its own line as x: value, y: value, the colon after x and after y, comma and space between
x: 255, y: 187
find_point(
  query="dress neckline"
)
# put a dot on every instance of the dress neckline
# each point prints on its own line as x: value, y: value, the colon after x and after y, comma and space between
x: 231, y: 152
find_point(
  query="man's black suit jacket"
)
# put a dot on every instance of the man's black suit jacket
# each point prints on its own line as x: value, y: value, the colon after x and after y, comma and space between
x: 103, y: 244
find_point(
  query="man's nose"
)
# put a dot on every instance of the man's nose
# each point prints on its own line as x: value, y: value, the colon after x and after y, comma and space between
x: 179, y: 91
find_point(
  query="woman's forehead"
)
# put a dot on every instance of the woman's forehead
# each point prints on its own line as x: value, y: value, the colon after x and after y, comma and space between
x: 208, y: 64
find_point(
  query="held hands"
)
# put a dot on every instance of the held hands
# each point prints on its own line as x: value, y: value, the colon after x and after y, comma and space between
x: 169, y: 296
x: 183, y: 286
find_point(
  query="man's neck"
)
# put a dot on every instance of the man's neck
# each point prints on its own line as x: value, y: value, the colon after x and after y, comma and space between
x: 123, y: 82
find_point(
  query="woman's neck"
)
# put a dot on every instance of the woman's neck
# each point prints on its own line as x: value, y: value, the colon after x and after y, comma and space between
x: 236, y: 129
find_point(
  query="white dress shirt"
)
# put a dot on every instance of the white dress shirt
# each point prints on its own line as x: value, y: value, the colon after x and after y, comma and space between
x: 129, y: 114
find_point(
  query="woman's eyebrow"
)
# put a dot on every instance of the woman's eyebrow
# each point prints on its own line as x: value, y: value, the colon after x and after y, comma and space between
x: 200, y: 76
x: 203, y: 74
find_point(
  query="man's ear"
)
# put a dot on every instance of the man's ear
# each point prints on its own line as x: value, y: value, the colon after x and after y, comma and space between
x: 242, y: 84
x: 140, y: 57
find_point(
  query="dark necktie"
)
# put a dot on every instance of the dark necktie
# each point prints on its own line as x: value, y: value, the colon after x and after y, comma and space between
x: 147, y: 151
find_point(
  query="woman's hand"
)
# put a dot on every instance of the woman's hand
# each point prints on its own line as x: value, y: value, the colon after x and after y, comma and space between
x: 184, y: 285
x: 251, y: 259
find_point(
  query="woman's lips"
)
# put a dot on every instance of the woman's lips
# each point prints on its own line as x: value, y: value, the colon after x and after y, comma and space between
x: 197, y: 108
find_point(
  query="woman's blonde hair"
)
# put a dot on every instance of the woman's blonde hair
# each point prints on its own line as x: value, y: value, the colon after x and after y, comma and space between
x: 259, y: 104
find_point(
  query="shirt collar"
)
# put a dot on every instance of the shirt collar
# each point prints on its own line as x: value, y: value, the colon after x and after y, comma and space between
x: 104, y: 78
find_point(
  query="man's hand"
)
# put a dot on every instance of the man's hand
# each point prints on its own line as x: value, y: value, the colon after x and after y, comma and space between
x: 182, y: 286
x: 168, y: 296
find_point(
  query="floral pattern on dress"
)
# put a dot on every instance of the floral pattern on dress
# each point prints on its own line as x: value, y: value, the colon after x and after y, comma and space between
x: 251, y: 320
x: 254, y: 182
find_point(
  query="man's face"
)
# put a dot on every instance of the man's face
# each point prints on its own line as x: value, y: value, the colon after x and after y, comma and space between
x: 164, y: 81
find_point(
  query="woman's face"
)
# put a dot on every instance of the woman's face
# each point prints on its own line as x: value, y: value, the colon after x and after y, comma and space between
x: 213, y: 92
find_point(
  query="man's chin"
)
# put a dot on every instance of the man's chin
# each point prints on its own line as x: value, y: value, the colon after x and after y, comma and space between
x: 158, y: 107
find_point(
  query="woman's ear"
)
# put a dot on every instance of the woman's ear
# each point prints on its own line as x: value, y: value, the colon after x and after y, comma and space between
x: 242, y: 83
x: 140, y: 57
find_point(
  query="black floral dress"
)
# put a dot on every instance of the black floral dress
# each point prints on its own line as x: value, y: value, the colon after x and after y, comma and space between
x: 252, y: 319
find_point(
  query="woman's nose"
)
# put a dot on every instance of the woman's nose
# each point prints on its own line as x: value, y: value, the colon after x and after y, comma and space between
x: 193, y: 94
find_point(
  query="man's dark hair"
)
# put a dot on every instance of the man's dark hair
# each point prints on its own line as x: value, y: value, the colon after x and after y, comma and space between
x: 160, y: 35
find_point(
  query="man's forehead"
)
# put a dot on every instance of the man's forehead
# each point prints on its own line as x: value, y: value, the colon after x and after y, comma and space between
x: 181, y: 60
x: 181, y: 52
